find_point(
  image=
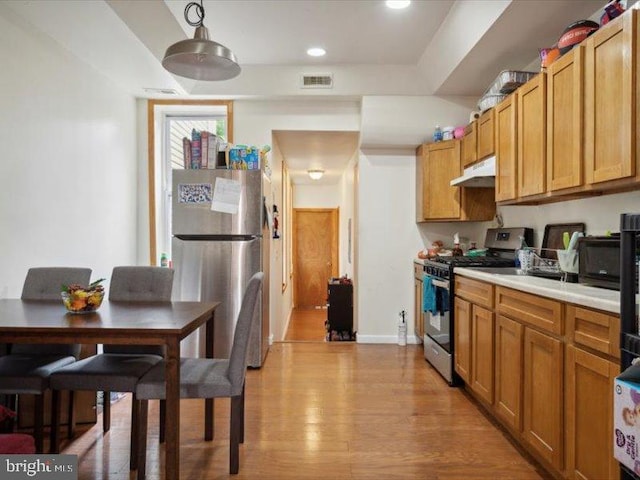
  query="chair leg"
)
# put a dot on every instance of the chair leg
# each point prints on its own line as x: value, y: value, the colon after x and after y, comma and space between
x: 135, y: 433
x: 208, y: 419
x: 163, y: 412
x: 106, y: 411
x: 242, y: 415
x: 143, y: 413
x: 71, y: 429
x: 38, y: 423
x: 234, y: 443
x: 56, y: 408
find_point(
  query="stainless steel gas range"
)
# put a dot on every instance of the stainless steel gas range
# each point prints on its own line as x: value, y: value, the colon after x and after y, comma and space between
x: 439, y: 295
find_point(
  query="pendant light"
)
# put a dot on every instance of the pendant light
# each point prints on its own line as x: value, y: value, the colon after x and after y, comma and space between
x: 198, y: 57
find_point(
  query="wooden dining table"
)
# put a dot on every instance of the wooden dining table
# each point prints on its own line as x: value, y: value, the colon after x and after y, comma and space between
x: 124, y: 323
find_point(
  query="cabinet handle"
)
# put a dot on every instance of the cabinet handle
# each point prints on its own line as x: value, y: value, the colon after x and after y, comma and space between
x: 435, y: 351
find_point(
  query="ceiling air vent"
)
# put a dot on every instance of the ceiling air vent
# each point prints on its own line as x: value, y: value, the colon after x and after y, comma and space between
x: 162, y: 91
x: 317, y: 80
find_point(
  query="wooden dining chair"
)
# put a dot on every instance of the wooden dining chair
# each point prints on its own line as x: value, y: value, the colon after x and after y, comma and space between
x: 207, y: 378
x: 28, y: 367
x: 119, y: 367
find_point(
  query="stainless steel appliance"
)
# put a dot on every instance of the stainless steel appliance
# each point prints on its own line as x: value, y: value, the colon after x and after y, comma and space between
x: 439, y: 350
x: 599, y: 261
x: 220, y: 239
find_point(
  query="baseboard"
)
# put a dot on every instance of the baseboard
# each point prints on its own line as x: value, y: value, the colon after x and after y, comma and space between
x: 271, y: 339
x: 411, y: 339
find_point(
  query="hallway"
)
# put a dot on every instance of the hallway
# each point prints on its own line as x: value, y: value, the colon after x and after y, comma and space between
x: 307, y: 325
x: 339, y: 411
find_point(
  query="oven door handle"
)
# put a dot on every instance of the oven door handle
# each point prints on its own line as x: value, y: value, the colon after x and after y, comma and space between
x: 440, y: 283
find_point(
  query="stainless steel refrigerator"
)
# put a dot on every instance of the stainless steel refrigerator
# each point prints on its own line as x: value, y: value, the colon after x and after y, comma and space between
x: 220, y: 239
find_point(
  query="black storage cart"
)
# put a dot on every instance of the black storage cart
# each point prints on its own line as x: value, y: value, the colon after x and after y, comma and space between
x: 340, y: 310
x: 629, y: 338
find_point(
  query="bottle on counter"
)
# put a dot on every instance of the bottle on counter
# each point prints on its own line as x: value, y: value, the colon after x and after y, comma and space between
x: 457, y: 251
x: 164, y: 260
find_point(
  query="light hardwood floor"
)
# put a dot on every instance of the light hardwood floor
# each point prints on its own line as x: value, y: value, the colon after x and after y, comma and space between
x: 338, y: 411
x: 307, y: 325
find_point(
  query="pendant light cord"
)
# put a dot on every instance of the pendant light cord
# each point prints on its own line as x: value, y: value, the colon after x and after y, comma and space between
x: 199, y: 12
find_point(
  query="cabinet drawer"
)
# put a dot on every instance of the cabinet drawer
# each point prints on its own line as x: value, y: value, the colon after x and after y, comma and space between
x: 479, y: 293
x: 538, y: 311
x: 597, y: 330
x: 418, y: 271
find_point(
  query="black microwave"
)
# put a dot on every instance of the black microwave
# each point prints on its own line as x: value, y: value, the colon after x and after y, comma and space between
x: 599, y: 261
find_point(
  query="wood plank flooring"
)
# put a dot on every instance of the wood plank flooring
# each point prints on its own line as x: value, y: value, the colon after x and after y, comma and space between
x: 307, y: 325
x: 339, y: 411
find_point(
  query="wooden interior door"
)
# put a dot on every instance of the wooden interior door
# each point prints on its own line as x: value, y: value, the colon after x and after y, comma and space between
x: 315, y: 256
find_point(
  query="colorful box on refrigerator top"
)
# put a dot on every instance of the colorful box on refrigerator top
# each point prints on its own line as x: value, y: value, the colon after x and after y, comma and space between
x: 244, y: 158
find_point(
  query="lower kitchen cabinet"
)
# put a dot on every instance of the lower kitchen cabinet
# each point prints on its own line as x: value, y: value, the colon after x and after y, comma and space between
x: 508, y: 372
x: 589, y: 415
x: 462, y: 338
x: 542, y: 395
x: 482, y: 352
x: 545, y: 370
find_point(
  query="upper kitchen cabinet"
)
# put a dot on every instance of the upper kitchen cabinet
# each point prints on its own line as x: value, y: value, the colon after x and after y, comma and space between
x: 486, y: 134
x: 611, y: 105
x: 565, y: 107
x: 436, y: 200
x: 532, y: 124
x: 506, y: 148
x: 469, y: 144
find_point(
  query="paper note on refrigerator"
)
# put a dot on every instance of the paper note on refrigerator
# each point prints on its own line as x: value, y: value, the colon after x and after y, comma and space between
x: 226, y: 196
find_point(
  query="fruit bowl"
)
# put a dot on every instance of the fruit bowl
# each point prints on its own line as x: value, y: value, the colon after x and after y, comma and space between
x: 79, y: 299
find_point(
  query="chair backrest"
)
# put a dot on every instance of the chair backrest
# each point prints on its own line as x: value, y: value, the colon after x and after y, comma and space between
x: 240, y: 348
x: 139, y: 284
x: 45, y: 283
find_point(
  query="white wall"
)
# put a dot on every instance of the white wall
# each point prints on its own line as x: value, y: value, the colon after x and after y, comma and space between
x: 68, y: 173
x: 388, y: 241
x: 599, y: 214
x: 317, y: 196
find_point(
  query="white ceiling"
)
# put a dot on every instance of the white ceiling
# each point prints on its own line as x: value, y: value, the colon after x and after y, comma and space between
x: 441, y: 47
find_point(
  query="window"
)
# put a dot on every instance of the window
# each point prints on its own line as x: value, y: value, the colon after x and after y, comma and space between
x: 168, y: 123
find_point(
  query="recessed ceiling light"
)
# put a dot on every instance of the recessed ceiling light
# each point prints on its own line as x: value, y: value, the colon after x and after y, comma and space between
x: 316, y: 52
x: 398, y: 4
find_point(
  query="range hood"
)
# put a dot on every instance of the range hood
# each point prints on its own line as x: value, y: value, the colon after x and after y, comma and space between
x: 479, y: 175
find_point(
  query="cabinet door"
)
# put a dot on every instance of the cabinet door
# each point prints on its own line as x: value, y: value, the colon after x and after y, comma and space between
x: 482, y: 352
x: 565, y: 103
x: 610, y: 101
x: 532, y: 118
x: 442, y: 201
x: 462, y: 338
x: 486, y: 134
x: 418, y: 325
x: 421, y: 159
x: 506, y: 149
x: 542, y: 395
x: 508, y: 386
x: 589, y: 414
x: 469, y: 142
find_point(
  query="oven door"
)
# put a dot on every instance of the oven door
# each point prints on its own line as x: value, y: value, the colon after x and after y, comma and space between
x: 437, y: 321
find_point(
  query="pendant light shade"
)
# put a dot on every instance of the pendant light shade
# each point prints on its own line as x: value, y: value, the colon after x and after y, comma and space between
x: 199, y: 57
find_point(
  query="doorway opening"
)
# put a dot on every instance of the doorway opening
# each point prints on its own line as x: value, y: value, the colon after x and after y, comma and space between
x: 315, y: 261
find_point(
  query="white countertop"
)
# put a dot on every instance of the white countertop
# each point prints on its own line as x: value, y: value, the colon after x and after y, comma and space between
x: 578, y: 294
